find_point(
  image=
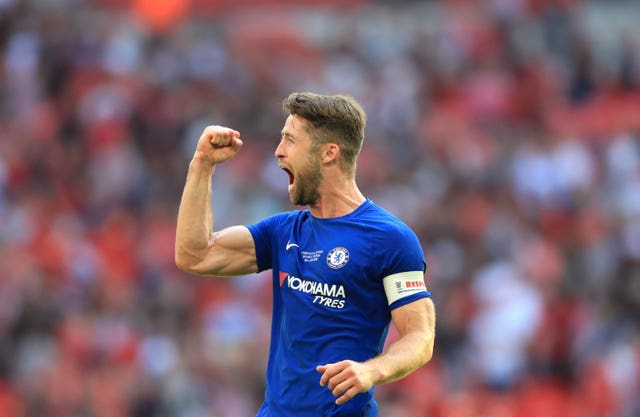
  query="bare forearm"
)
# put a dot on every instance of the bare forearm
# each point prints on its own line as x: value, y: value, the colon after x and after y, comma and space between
x: 347, y: 378
x: 195, y: 220
x: 402, y: 357
x: 413, y: 349
x: 228, y: 252
x: 416, y: 325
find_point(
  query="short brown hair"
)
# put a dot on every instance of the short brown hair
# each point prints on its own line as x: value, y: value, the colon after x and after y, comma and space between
x: 334, y: 119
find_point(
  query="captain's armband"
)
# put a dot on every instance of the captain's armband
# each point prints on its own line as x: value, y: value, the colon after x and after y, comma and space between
x: 403, y: 284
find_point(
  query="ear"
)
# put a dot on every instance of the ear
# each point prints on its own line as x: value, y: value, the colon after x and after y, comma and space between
x: 330, y: 152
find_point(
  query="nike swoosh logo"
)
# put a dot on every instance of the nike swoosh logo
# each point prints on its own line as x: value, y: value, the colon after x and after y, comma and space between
x: 290, y: 245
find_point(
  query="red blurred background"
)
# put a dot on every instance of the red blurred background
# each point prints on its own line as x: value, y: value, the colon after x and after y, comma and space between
x: 506, y: 133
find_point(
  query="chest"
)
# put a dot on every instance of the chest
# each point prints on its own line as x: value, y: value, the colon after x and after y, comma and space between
x: 326, y: 253
x: 327, y: 268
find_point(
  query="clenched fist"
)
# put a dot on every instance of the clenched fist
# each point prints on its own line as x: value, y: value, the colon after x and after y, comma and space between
x: 217, y: 144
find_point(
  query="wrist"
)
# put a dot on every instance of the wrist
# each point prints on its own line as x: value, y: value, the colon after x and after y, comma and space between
x: 201, y: 162
x: 377, y: 372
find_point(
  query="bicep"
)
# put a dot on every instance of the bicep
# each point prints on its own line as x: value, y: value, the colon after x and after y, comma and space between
x: 415, y: 323
x: 417, y: 316
x: 231, y: 252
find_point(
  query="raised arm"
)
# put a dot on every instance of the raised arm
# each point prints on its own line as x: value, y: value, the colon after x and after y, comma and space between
x: 200, y: 250
x: 416, y: 326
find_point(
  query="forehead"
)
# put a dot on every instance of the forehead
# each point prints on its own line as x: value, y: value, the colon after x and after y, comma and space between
x: 295, y: 126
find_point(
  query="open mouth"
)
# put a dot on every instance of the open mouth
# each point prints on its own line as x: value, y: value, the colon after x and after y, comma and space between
x: 290, y: 174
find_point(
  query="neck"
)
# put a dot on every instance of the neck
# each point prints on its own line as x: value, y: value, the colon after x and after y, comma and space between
x: 337, y: 201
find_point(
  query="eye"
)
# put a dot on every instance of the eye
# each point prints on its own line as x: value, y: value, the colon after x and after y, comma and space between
x: 287, y: 139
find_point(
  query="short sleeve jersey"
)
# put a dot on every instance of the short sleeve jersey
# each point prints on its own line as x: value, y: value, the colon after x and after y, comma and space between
x: 335, y: 282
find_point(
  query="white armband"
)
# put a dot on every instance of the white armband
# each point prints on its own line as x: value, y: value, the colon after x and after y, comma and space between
x: 403, y: 284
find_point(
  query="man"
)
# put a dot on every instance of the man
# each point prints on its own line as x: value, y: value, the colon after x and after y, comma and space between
x: 342, y: 269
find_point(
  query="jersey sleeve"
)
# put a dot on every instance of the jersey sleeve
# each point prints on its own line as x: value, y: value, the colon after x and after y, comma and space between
x: 403, y: 276
x: 263, y: 234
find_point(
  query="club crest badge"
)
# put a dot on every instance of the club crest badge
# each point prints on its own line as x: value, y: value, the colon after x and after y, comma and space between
x: 337, y: 257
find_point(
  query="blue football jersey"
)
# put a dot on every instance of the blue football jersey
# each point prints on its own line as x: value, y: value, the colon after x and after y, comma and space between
x: 335, y: 282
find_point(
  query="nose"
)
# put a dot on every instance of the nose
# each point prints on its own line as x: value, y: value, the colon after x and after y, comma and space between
x: 279, y: 152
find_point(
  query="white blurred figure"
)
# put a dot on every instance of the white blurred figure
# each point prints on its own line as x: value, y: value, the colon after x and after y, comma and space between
x: 622, y: 367
x: 509, y: 310
x: 552, y: 176
x: 158, y: 355
x: 574, y: 168
x: 20, y: 69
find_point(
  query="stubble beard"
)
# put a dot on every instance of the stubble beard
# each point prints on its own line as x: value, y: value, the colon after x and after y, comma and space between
x: 308, y: 184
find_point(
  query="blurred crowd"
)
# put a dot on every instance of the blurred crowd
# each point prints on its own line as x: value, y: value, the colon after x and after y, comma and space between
x: 506, y: 133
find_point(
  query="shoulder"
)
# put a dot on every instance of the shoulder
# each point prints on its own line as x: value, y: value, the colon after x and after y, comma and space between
x: 386, y: 223
x: 395, y: 245
x: 284, y: 217
x: 275, y: 224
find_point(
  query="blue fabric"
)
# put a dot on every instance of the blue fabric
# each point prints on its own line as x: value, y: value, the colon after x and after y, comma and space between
x: 329, y: 302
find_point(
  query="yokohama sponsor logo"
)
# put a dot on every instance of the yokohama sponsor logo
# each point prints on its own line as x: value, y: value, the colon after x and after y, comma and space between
x: 316, y: 288
x: 328, y: 295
